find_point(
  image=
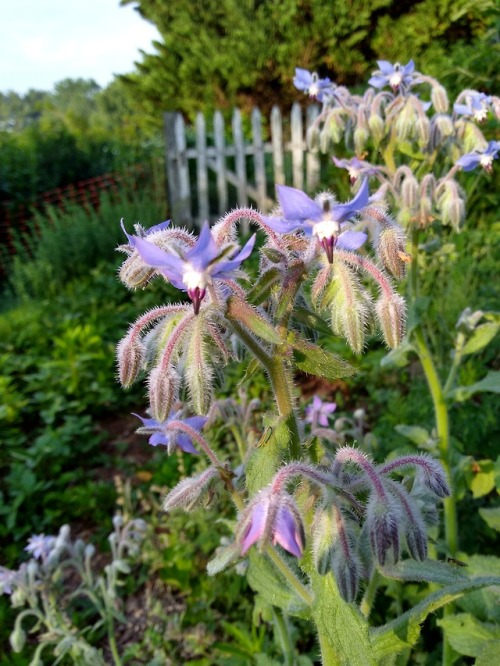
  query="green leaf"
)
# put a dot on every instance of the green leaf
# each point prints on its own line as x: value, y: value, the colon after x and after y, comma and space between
x: 481, y: 337
x: 467, y: 635
x: 398, y: 358
x: 404, y: 631
x: 489, y: 654
x: 262, y: 289
x: 341, y: 627
x: 270, y: 583
x: 316, y: 361
x: 223, y: 558
x: 483, y: 482
x: 312, y: 320
x: 431, y: 571
x: 491, y: 384
x: 483, y: 603
x: 416, y: 434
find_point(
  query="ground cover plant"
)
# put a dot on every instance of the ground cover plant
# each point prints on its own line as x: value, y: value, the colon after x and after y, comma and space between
x: 316, y: 518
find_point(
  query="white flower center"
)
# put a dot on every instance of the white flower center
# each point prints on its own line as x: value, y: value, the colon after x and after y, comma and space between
x: 327, y: 228
x: 395, y: 80
x: 481, y: 114
x: 486, y: 161
x: 313, y: 89
x: 193, y: 278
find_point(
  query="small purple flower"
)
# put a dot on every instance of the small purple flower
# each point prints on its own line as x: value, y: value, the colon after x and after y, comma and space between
x: 7, y: 578
x: 355, y: 168
x: 322, y: 217
x: 477, y: 158
x: 273, y: 517
x: 197, y: 269
x: 397, y: 76
x: 40, y: 545
x: 165, y: 433
x: 319, y: 411
x: 312, y: 85
x: 476, y: 107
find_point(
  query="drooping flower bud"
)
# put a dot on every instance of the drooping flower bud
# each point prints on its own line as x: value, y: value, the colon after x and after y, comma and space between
x: 391, y: 314
x: 451, y: 204
x: 391, y: 250
x: 347, y: 572
x: 382, y: 519
x: 377, y: 127
x: 189, y: 492
x: 163, y: 386
x: 409, y: 192
x: 130, y: 357
x: 134, y: 273
x: 439, y: 98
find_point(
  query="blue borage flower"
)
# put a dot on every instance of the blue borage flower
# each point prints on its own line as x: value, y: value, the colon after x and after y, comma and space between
x: 480, y: 158
x: 273, y: 517
x: 40, y: 545
x: 399, y: 77
x: 355, y: 168
x: 198, y: 267
x: 312, y: 85
x: 476, y: 107
x: 321, y: 217
x: 166, y: 433
x: 319, y: 411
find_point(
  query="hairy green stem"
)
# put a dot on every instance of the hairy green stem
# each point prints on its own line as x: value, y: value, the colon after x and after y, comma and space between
x: 369, y: 595
x: 288, y: 574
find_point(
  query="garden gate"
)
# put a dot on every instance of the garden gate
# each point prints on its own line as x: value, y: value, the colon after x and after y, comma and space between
x: 199, y: 177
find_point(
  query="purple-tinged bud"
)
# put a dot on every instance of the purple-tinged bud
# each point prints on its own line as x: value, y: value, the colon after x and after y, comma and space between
x: 347, y: 572
x: 382, y: 519
x: 416, y: 540
x: 433, y: 477
x: 391, y: 314
x: 190, y: 491
x: 439, y: 98
x: 163, y: 386
x: 134, y: 273
x: 130, y: 355
x: 391, y: 250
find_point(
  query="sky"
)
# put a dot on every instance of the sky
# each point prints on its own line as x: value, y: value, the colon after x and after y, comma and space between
x: 45, y: 41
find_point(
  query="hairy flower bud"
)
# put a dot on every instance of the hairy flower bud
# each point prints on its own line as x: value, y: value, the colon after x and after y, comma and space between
x: 439, y: 98
x: 391, y: 250
x: 377, y: 127
x: 189, y: 492
x: 313, y: 138
x: 391, y: 314
x: 130, y: 357
x: 409, y: 192
x: 18, y: 638
x: 361, y: 136
x: 423, y: 130
x: 134, y: 273
x: 382, y: 519
x: 324, y: 534
x: 451, y: 205
x: 162, y: 392
x: 347, y: 572
x: 416, y: 540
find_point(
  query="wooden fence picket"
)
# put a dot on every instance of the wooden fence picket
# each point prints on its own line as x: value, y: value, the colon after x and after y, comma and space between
x: 238, y: 163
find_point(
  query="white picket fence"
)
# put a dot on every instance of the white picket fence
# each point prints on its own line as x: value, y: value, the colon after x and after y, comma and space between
x: 201, y: 192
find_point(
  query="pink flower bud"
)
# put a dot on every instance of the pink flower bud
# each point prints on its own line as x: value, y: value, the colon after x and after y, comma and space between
x: 162, y: 392
x: 130, y: 356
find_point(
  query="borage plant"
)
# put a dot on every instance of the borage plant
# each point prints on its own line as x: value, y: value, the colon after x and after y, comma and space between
x: 318, y: 521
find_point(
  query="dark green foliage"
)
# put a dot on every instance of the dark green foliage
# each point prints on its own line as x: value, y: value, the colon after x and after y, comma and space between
x: 219, y: 54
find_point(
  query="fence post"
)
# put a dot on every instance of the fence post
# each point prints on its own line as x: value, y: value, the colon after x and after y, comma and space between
x: 177, y: 169
x: 312, y: 161
x: 258, y: 159
x: 201, y: 169
x: 297, y: 147
x: 220, y: 161
x: 277, y: 146
x: 239, y: 158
